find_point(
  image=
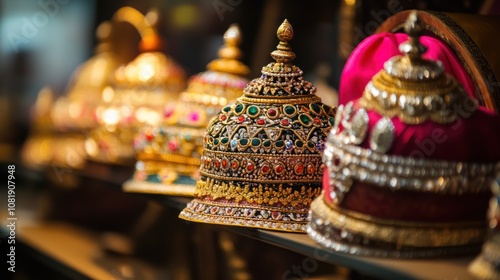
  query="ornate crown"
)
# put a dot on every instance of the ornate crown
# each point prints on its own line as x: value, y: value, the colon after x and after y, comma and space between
x: 402, y: 164
x: 261, y: 163
x: 168, y: 155
x: 76, y: 110
x: 60, y: 138
x: 137, y: 95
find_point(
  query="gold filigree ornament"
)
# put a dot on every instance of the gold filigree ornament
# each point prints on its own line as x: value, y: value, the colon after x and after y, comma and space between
x: 137, y: 94
x: 168, y: 155
x: 379, y: 199
x: 261, y: 163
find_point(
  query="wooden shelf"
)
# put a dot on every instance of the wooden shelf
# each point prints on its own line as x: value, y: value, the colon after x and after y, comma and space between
x: 76, y: 254
x: 86, y: 244
x: 444, y: 268
x: 375, y: 267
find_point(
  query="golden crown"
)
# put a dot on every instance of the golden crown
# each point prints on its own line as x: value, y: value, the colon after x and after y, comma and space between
x: 136, y: 97
x: 169, y: 154
x: 261, y: 163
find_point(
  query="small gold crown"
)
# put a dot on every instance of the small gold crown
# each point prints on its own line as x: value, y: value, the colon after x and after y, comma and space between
x: 170, y: 152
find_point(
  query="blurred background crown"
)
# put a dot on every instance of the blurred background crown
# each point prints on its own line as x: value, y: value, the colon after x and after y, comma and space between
x: 169, y: 154
x: 261, y: 163
x: 60, y: 126
x: 403, y: 160
x: 137, y: 93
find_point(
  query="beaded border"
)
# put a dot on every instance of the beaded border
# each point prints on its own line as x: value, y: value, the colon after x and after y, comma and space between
x: 348, y: 162
x: 247, y: 216
x: 334, y: 230
x: 265, y: 168
x: 414, y: 107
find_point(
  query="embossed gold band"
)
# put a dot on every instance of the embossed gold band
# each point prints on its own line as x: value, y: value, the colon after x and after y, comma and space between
x: 400, y: 233
x: 293, y: 99
x: 260, y: 195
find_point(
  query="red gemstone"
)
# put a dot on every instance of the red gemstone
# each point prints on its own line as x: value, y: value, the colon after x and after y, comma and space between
x: 234, y: 165
x: 285, y: 122
x: 224, y: 163
x: 300, y: 168
x: 310, y: 168
x: 241, y: 119
x: 149, y: 136
x: 173, y: 145
x: 261, y: 121
x: 279, y: 168
x: 276, y: 215
x: 217, y: 163
x: 168, y: 112
x: 336, y: 160
x: 272, y: 112
x: 304, y: 109
x: 223, y: 117
x: 250, y: 166
x: 265, y: 169
x: 317, y: 121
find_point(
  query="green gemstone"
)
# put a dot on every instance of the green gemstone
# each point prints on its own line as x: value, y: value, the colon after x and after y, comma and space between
x: 227, y: 109
x: 153, y: 178
x: 244, y: 142
x: 255, y: 142
x: 327, y: 109
x: 239, y: 108
x: 310, y: 144
x: 299, y: 144
x: 305, y: 119
x: 279, y: 143
x: 315, y: 108
x: 216, y: 141
x: 331, y: 120
x: 266, y: 143
x: 253, y: 110
x: 290, y: 110
x: 224, y: 140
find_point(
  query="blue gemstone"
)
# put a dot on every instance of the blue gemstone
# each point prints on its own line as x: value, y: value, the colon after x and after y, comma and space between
x: 233, y: 143
x: 288, y: 144
x: 320, y: 146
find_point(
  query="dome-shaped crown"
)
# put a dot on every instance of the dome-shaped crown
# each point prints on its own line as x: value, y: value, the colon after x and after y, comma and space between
x: 261, y: 163
x: 169, y: 153
x: 402, y: 162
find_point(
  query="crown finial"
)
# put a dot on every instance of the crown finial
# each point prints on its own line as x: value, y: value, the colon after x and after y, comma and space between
x: 230, y: 53
x: 413, y: 27
x: 232, y: 36
x: 284, y: 52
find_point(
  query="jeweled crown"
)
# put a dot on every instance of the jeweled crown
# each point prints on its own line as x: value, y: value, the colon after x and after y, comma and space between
x: 170, y: 152
x: 382, y: 192
x: 261, y: 163
x: 138, y: 93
